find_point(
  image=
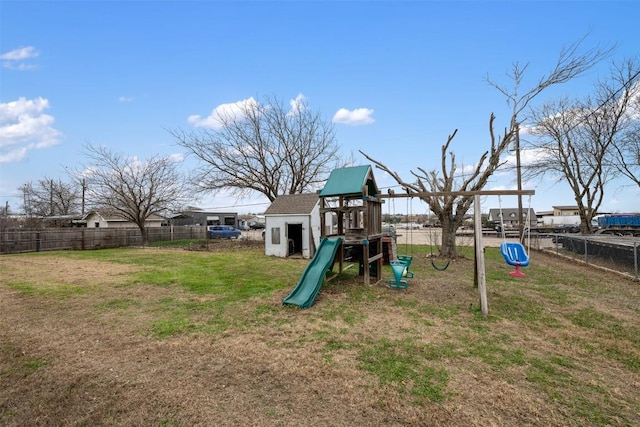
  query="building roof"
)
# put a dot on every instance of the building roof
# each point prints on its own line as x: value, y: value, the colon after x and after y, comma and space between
x: 113, y: 216
x: 350, y: 181
x: 199, y: 213
x: 566, y: 208
x: 293, y: 204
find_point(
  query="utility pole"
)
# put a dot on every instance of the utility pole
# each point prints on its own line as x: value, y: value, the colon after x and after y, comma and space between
x: 84, y: 187
x: 51, y: 198
x: 519, y: 180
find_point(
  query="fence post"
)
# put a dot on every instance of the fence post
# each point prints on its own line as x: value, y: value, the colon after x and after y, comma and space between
x: 635, y: 260
x: 586, y: 258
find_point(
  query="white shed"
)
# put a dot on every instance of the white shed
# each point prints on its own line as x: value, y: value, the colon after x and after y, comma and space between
x: 293, y: 226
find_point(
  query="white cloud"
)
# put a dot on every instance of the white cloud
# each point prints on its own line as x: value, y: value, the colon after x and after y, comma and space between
x: 222, y: 111
x: 466, y: 170
x: 125, y: 99
x: 528, y: 156
x: 14, y: 59
x: 25, y: 127
x: 298, y: 104
x: 236, y: 110
x: 177, y: 157
x: 634, y: 109
x: 357, y: 117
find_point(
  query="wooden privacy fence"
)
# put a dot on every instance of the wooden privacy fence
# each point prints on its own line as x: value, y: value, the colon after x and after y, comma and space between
x: 53, y: 239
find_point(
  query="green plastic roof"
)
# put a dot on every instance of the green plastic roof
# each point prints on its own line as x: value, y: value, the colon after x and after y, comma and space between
x: 350, y: 181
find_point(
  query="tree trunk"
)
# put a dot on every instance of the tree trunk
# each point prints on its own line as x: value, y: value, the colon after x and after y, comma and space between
x: 448, y: 248
x: 585, y: 224
x: 144, y: 234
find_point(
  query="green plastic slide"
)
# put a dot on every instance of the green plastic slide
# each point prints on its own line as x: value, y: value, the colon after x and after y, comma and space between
x: 306, y: 291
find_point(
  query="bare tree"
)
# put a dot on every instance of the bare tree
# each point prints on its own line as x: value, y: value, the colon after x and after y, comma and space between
x: 626, y: 155
x: 578, y: 139
x: 571, y: 63
x: 133, y: 189
x: 265, y: 148
x: 567, y: 151
x: 48, y: 197
x: 451, y: 210
x: 626, y: 150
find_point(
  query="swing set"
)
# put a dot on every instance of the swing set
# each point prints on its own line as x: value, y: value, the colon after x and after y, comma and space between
x: 400, y: 266
x: 513, y: 253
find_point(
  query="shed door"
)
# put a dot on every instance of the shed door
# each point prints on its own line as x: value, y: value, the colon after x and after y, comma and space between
x: 294, y: 238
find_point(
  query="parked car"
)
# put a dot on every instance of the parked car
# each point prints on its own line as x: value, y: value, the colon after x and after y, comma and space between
x: 257, y: 225
x: 223, y: 232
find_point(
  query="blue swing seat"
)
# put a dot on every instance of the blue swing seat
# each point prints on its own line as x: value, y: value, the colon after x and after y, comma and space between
x: 515, y: 254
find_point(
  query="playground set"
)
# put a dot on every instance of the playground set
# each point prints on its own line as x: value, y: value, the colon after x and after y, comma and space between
x: 353, y: 201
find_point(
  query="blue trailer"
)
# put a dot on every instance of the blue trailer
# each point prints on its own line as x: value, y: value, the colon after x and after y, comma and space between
x: 620, y: 224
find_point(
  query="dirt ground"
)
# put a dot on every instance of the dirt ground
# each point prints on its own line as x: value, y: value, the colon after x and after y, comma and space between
x: 96, y: 368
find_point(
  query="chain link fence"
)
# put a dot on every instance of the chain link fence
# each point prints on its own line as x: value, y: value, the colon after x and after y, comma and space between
x: 616, y: 253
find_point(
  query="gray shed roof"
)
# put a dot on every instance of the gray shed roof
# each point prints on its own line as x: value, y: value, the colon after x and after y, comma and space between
x: 293, y: 204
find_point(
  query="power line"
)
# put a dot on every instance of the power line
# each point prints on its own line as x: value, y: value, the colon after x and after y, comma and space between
x: 237, y: 206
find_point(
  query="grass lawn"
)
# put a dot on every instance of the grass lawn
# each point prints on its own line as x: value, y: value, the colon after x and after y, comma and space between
x: 179, y: 337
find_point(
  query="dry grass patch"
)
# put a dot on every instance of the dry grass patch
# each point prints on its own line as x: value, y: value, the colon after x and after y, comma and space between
x: 159, y: 337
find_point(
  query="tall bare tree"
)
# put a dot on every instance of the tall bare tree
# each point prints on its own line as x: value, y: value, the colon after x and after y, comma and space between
x: 267, y: 148
x: 626, y: 156
x: 571, y: 63
x: 626, y: 150
x: 450, y: 210
x: 133, y: 189
x: 582, y: 142
x: 49, y: 197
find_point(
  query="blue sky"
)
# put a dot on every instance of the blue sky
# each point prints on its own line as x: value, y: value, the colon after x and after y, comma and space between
x: 121, y: 73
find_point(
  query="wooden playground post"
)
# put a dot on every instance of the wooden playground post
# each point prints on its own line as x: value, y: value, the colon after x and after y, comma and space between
x: 481, y: 276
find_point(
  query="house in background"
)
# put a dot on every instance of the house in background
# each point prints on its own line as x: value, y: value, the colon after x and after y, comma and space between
x: 293, y: 226
x: 111, y: 219
x: 510, y: 217
x: 565, y: 210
